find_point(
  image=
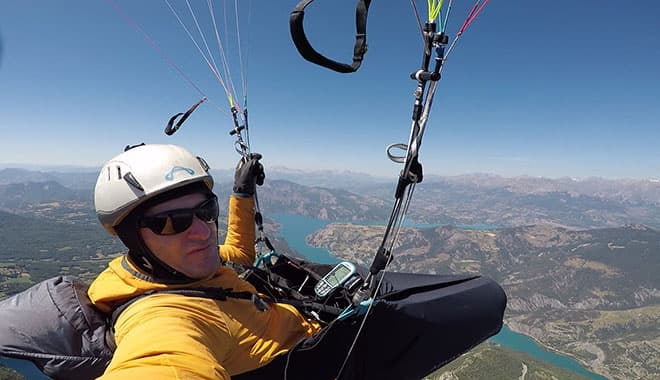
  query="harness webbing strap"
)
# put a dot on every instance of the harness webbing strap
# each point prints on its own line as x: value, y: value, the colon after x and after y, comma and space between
x: 220, y: 294
x: 214, y: 293
x: 307, y: 51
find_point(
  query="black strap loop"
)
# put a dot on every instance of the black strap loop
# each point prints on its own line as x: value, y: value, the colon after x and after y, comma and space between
x: 307, y: 51
x: 171, y: 128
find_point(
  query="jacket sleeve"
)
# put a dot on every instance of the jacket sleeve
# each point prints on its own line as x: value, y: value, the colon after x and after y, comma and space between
x: 239, y: 243
x: 163, y: 341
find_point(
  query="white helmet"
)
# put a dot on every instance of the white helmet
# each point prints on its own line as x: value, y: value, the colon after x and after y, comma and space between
x: 141, y: 173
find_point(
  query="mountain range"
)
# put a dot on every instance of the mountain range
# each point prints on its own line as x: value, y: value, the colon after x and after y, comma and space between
x: 460, y: 200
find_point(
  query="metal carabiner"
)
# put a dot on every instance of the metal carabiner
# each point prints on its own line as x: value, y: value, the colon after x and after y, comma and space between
x: 241, y: 148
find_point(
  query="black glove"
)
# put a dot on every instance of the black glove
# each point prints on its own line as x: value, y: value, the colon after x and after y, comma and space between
x: 249, y: 173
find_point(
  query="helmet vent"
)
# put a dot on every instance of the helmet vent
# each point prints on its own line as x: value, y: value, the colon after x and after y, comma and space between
x: 118, y: 172
x: 202, y: 162
x: 128, y: 177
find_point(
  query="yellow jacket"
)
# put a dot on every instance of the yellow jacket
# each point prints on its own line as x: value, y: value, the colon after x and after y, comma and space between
x: 170, y: 336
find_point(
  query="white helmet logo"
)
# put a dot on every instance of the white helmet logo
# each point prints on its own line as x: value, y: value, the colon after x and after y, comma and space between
x: 170, y: 175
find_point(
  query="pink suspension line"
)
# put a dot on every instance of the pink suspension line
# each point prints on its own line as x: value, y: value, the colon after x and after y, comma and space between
x: 128, y: 19
x: 210, y: 65
x: 476, y: 9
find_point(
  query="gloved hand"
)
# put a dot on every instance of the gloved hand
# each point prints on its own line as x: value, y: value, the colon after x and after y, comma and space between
x: 249, y: 173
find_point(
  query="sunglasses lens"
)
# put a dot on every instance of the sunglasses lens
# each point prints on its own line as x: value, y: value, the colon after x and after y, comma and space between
x: 154, y: 223
x: 208, y: 211
x: 180, y: 221
x: 177, y: 221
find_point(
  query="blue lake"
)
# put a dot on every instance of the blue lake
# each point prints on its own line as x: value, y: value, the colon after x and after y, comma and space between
x: 295, y: 228
x: 25, y: 368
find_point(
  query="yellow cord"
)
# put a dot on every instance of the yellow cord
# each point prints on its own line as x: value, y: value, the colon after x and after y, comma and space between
x: 434, y: 9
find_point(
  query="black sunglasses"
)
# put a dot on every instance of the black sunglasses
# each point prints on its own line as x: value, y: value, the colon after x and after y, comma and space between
x: 176, y: 221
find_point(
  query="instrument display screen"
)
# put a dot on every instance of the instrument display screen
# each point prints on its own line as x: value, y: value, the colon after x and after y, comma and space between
x: 335, y: 278
x: 338, y: 274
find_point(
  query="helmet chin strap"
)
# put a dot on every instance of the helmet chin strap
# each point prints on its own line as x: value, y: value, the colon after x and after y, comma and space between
x: 156, y: 268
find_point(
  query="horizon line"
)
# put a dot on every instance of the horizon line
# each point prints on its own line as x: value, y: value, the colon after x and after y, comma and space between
x: 64, y: 167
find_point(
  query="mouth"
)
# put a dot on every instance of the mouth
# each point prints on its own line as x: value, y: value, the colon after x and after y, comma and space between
x: 199, y: 250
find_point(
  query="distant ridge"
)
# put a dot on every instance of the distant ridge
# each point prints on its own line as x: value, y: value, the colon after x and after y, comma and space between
x: 21, y: 195
x: 50, y: 168
x: 465, y: 199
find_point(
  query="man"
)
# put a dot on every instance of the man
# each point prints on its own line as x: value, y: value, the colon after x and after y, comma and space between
x: 158, y: 200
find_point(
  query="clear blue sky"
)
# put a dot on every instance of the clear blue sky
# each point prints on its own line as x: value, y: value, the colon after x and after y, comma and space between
x: 541, y: 88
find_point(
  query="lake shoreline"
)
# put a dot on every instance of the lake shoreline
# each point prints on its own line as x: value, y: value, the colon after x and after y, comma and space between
x: 588, y: 366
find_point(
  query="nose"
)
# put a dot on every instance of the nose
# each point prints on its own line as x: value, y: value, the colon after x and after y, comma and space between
x: 199, y: 229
